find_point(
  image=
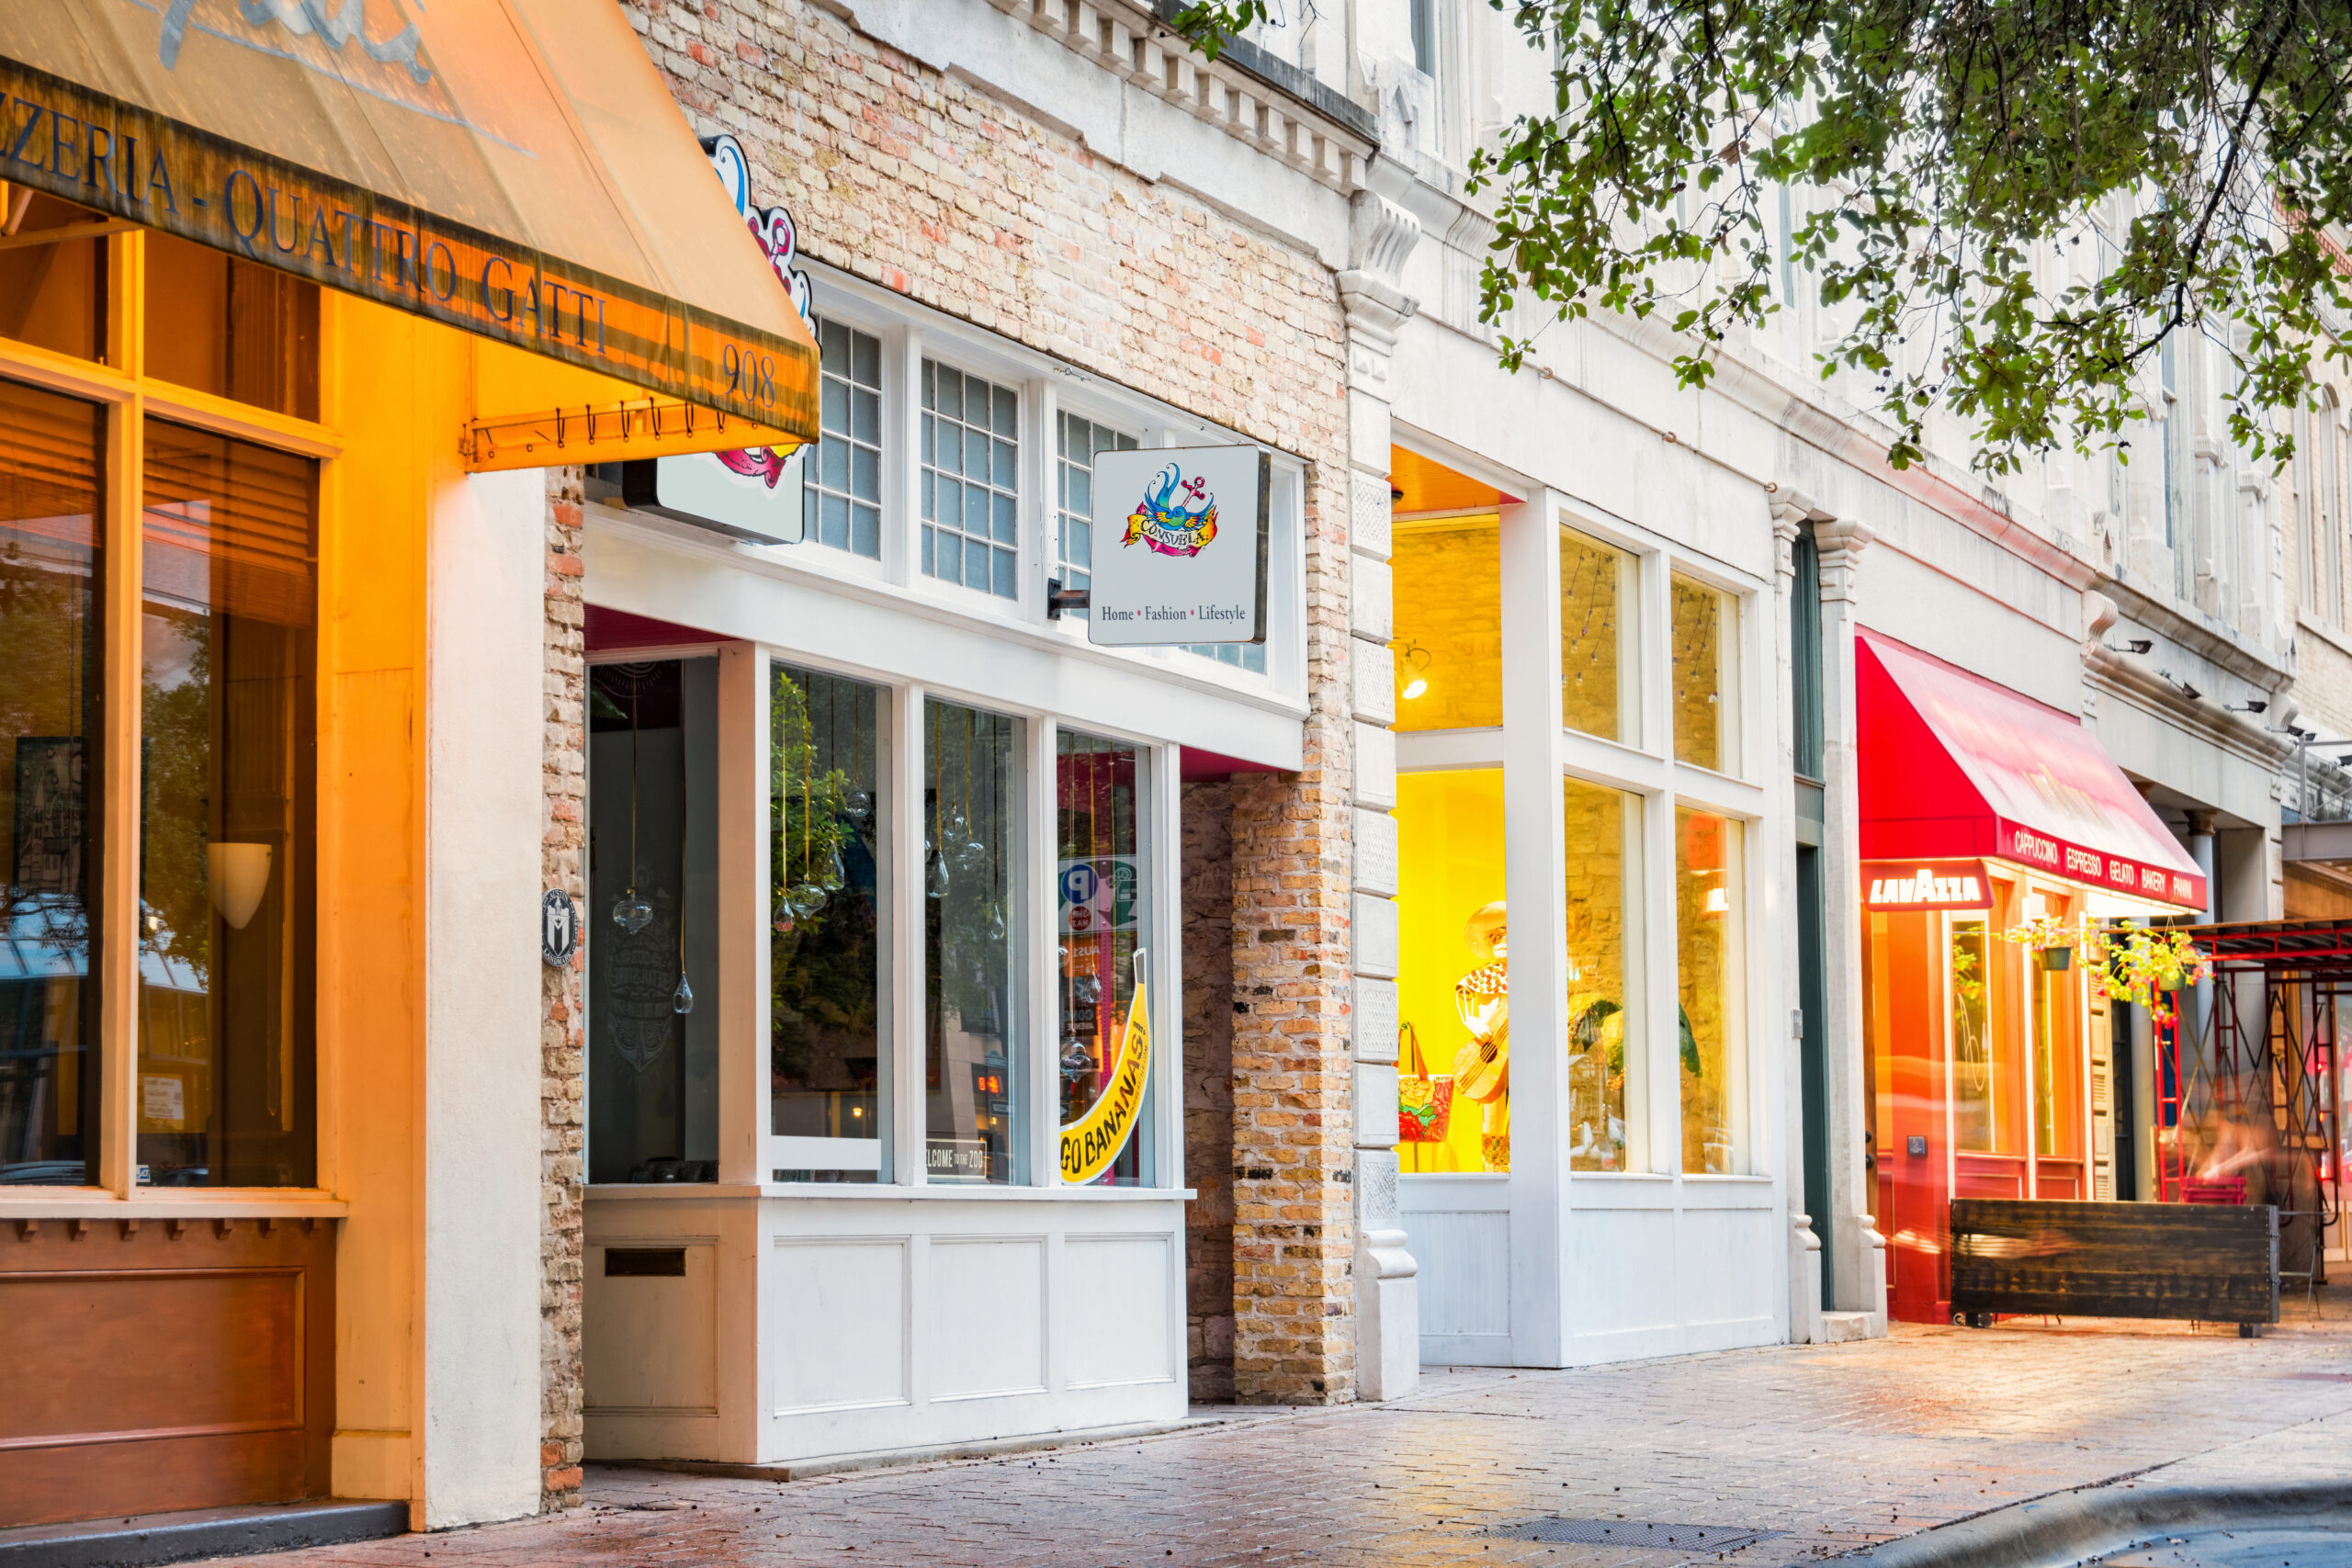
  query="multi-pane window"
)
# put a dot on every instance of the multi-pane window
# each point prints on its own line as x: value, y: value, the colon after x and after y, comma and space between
x: 841, y: 491
x: 971, y: 510
x: 1078, y: 440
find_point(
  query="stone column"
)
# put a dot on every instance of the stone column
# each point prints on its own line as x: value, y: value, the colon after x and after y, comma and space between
x: 1788, y: 512
x: 1388, y: 1326
x: 1860, y: 1271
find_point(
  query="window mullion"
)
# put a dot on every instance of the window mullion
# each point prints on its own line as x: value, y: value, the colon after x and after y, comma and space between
x: 117, y: 954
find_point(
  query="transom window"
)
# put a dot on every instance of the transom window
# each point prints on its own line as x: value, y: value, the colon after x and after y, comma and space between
x: 971, y: 493
x: 1078, y: 440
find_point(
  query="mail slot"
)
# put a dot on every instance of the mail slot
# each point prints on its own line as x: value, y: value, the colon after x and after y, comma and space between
x: 645, y: 1262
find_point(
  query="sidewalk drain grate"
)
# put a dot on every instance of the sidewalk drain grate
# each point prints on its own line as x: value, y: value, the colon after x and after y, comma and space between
x: 1637, y: 1534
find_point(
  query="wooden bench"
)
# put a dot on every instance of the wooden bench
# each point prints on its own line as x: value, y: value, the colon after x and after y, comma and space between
x: 2210, y: 1263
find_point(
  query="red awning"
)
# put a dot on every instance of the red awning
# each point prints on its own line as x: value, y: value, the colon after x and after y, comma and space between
x: 1954, y: 765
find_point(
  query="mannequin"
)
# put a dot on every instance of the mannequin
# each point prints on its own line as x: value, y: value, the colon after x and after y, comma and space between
x: 1482, y: 1067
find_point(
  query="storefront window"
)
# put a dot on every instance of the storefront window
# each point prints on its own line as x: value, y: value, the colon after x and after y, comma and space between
x: 973, y: 1039
x: 827, y: 1059
x: 651, y: 922
x: 2057, y: 1104
x: 1711, y: 1032
x: 51, y: 295
x: 841, y: 492
x: 1979, y: 1090
x: 1105, y: 914
x: 1452, y: 986
x: 1600, y: 655
x: 232, y: 327
x: 1706, y: 676
x: 971, y: 467
x: 1449, y: 625
x: 226, y: 1086
x: 52, y: 643
x: 1603, y: 843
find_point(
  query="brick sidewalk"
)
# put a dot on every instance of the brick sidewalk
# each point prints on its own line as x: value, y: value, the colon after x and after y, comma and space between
x: 1833, y: 1447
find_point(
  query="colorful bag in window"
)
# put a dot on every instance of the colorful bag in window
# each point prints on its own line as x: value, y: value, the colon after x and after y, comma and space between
x: 1424, y: 1101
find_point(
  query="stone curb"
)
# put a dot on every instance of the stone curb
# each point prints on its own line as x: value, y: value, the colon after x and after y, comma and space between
x: 938, y: 1453
x: 210, y: 1532
x: 2067, y: 1527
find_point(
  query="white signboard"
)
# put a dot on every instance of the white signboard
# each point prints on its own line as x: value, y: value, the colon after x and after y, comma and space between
x: 752, y: 494
x: 1180, y: 546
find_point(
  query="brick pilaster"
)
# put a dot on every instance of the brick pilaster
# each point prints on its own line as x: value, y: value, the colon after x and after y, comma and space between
x: 562, y: 1044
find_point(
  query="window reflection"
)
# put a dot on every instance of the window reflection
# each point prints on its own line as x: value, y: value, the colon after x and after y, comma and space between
x: 827, y: 1062
x: 50, y: 713
x: 1104, y: 921
x: 1710, y: 1031
x: 1977, y: 1079
x: 226, y: 1084
x: 973, y: 1039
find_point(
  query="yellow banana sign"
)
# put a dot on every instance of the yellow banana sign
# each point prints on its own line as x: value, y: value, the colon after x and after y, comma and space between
x: 1094, y: 1140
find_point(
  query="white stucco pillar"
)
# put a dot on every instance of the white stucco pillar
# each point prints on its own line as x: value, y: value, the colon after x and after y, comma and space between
x: 478, y: 1450
x: 1788, y: 512
x: 1859, y: 1270
x: 1388, y: 1319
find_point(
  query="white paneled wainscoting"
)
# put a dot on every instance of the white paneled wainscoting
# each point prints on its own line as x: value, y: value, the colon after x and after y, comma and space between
x: 741, y: 1327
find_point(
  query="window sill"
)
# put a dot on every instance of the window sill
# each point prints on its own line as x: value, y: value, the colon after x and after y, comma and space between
x: 689, y: 1192
x: 181, y: 1203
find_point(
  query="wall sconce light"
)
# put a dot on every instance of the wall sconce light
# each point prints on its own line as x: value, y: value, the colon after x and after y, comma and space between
x: 1416, y: 671
x: 2135, y: 644
x: 2255, y: 705
x: 2177, y: 685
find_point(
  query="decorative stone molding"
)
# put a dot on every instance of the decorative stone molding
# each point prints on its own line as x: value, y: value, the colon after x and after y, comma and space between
x: 1842, y: 541
x: 1130, y: 42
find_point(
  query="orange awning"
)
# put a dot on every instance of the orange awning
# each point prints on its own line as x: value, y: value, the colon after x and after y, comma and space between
x: 514, y: 168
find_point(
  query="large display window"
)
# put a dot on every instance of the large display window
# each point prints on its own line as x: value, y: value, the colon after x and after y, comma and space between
x: 1710, y: 918
x: 653, y: 920
x: 202, y: 903
x: 1103, y: 877
x: 1603, y: 842
x: 829, y: 1058
x: 1454, y: 979
x: 974, y: 1042
x: 1448, y: 622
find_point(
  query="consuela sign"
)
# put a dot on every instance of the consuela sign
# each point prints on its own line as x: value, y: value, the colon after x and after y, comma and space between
x: 1180, y: 546
x: 102, y: 152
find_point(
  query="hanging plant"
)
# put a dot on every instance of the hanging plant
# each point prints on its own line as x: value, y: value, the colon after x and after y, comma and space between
x: 2142, y: 966
x: 818, y: 811
x: 2147, y: 968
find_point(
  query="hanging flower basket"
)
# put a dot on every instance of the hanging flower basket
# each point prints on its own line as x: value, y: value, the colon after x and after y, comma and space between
x: 2147, y: 968
x: 2054, y: 959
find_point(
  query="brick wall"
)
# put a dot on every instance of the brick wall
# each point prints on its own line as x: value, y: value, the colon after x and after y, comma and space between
x: 562, y: 1056
x: 925, y: 184
x: 1208, y: 1087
